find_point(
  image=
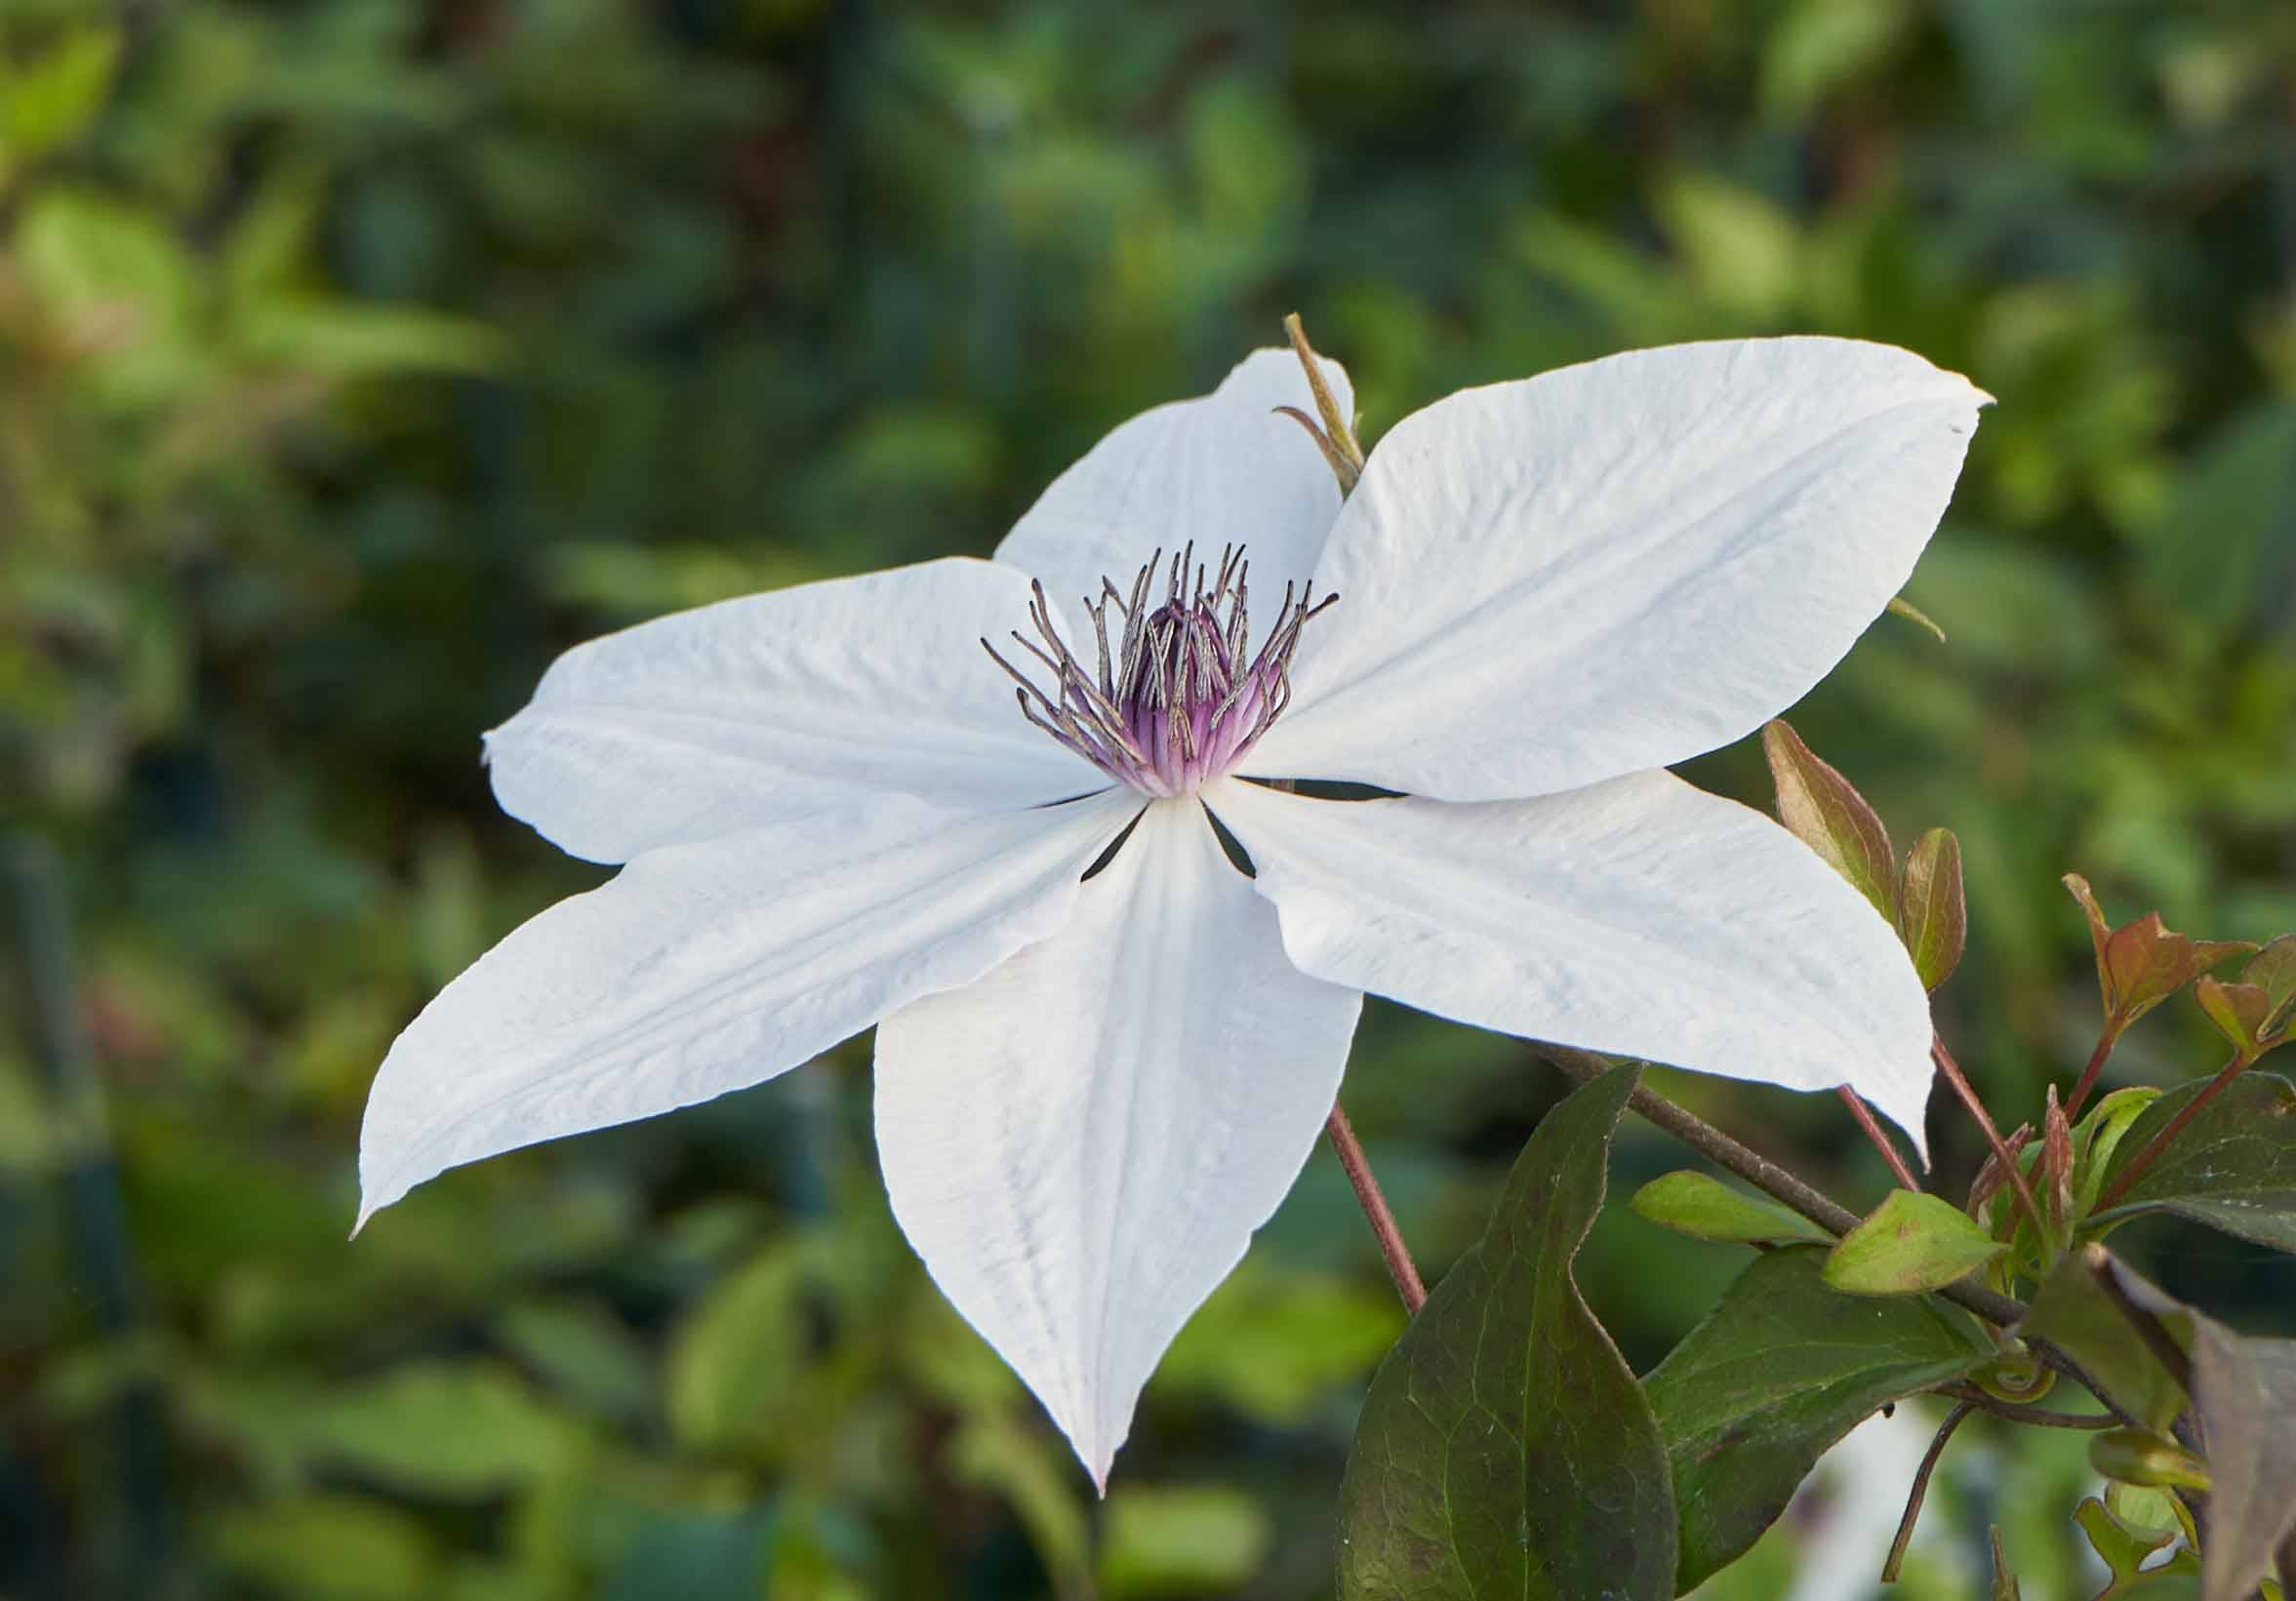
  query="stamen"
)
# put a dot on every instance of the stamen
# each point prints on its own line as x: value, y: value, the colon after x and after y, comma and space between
x: 1175, y: 698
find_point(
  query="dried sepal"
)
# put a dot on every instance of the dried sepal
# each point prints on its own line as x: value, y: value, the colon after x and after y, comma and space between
x: 1992, y: 1176
x: 2054, y: 1173
x: 1824, y: 811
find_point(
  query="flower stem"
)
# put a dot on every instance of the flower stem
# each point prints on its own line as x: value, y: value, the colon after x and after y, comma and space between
x: 2088, y: 1074
x: 1921, y: 1491
x: 1765, y: 1175
x: 1951, y: 1070
x: 2176, y: 1125
x: 1882, y: 1141
x: 1375, y: 1210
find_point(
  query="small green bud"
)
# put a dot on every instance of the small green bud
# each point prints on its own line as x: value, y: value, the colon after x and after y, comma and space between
x: 2136, y: 1456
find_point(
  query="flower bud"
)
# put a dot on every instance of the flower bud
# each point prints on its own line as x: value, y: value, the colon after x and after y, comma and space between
x: 2137, y: 1456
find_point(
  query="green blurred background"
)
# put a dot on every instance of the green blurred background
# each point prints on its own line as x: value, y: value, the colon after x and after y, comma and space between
x: 357, y: 356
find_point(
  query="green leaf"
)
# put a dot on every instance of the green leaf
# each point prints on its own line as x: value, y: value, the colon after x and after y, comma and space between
x: 2233, y: 1167
x: 746, y: 1369
x: 327, y: 1549
x: 1911, y: 1242
x: 1820, y: 45
x: 49, y: 101
x: 1933, y: 919
x: 1505, y: 1448
x: 2099, y: 1133
x: 1704, y: 1207
x: 1781, y: 1369
x: 2245, y: 1395
x: 349, y: 339
x: 2123, y: 1550
x: 1824, y: 811
x: 463, y: 1430
x: 1273, y: 1343
x: 120, y: 285
x: 585, y: 1351
x: 1183, y: 1540
x: 1033, y: 1475
x: 2072, y: 1311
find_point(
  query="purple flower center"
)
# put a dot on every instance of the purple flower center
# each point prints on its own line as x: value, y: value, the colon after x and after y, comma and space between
x: 1176, y: 695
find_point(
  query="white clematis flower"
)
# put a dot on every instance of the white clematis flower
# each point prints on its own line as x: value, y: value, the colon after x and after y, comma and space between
x: 1090, y: 1091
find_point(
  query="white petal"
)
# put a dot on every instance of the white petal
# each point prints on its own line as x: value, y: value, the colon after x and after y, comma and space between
x: 1638, y: 916
x: 702, y: 969
x: 1080, y: 1145
x: 1616, y: 566
x: 755, y: 710
x: 1221, y: 469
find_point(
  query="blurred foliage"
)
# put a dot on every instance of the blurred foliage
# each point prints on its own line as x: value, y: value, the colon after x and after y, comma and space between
x: 357, y: 355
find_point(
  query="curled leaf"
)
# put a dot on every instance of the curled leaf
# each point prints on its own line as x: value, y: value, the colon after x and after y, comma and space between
x: 1824, y: 811
x: 2099, y: 1134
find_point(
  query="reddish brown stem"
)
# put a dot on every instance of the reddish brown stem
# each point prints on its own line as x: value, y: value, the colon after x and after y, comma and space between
x: 1882, y: 1141
x: 2176, y: 1125
x: 2088, y: 1074
x: 1921, y: 1491
x: 1375, y: 1211
x: 1951, y: 1070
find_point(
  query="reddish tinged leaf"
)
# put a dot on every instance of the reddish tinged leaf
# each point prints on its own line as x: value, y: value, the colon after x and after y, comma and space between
x: 2055, y: 1172
x: 2241, y: 1011
x: 1824, y: 811
x: 1933, y: 918
x: 2257, y: 1011
x: 2141, y: 964
x: 1993, y: 1175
